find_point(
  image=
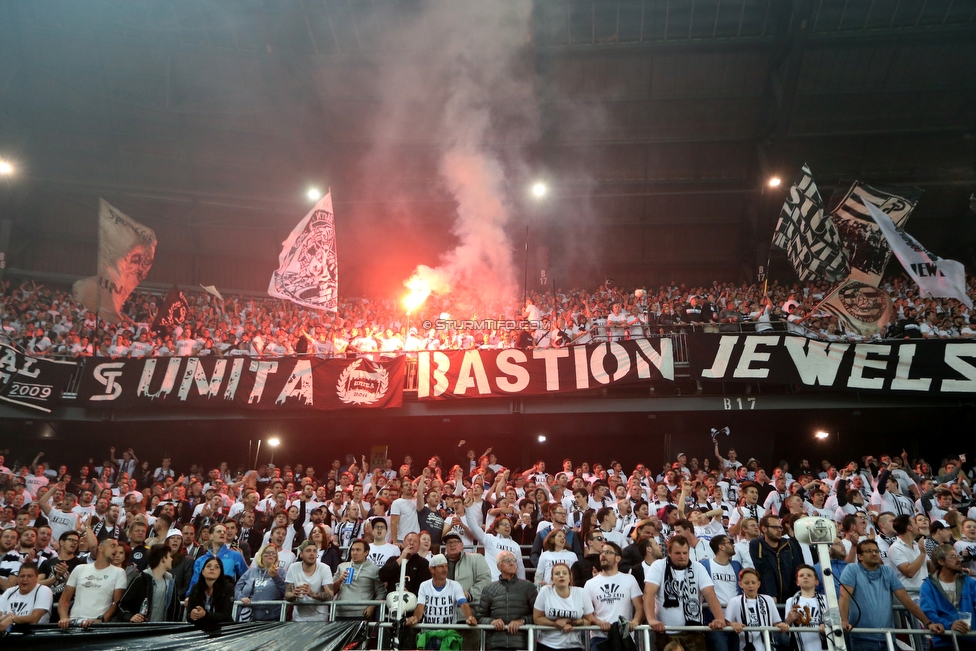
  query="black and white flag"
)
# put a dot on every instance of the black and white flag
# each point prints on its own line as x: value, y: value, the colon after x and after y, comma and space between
x: 867, y: 249
x: 807, y: 234
x: 173, y: 311
x: 308, y: 271
x: 935, y: 276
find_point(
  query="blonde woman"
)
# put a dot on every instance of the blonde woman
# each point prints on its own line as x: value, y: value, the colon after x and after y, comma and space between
x: 261, y: 582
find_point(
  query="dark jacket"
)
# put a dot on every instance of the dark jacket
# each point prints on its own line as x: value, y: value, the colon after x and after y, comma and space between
x: 583, y: 569
x: 418, y: 571
x: 140, y: 591
x: 776, y: 567
x: 182, y: 574
x: 507, y: 600
x: 221, y: 605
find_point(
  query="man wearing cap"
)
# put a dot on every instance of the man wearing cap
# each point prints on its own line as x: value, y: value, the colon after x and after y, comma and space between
x: 469, y: 570
x: 438, y: 601
x: 309, y: 582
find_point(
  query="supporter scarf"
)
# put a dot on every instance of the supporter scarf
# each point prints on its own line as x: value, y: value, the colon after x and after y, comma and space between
x: 684, y: 593
x: 762, y: 618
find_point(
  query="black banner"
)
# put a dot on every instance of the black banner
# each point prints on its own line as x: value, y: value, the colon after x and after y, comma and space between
x: 31, y: 381
x: 248, y: 382
x: 492, y: 373
x: 916, y: 366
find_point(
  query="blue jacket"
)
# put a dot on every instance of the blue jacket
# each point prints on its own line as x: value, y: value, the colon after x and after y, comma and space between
x: 231, y: 559
x: 937, y: 608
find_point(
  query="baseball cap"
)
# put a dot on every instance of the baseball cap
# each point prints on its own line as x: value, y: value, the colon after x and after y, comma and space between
x: 452, y: 535
x: 437, y: 560
x: 937, y: 525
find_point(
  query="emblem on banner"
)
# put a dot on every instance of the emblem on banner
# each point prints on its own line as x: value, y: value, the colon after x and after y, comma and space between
x: 863, y: 302
x: 361, y: 387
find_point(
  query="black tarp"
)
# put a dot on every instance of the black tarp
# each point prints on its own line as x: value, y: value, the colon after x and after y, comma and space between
x: 255, y: 636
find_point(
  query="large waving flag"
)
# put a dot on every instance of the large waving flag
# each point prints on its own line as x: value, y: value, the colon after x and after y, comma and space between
x: 308, y: 271
x: 934, y: 275
x: 126, y: 250
x: 807, y: 234
x: 866, y: 247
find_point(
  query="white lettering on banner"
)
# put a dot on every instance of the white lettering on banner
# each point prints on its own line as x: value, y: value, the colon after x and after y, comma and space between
x: 106, y: 374
x: 169, y: 379
x: 441, y: 365
x: 508, y: 363
x: 819, y: 363
x: 261, y: 369
x: 953, y: 358
x: 906, y: 353
x: 721, y: 363
x: 582, y: 371
x: 598, y: 357
x: 749, y: 355
x: 194, y: 374
x: 471, y: 363
x: 551, y: 357
x: 235, y: 378
x: 301, y: 374
x: 663, y: 361
x: 862, y: 362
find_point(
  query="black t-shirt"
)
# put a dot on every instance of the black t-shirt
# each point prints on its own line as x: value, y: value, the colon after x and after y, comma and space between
x: 47, y: 568
x: 432, y: 522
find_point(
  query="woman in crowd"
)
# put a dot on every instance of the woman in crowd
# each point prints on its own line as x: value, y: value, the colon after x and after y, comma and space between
x: 261, y: 582
x: 211, y: 600
x: 182, y: 569
x: 562, y: 606
x: 555, y: 552
x: 328, y: 553
x: 427, y: 549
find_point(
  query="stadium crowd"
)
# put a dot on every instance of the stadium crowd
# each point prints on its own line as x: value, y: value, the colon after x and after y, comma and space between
x: 707, y: 542
x: 47, y: 321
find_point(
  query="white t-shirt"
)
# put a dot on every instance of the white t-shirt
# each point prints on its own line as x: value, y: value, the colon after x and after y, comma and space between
x: 547, y: 559
x: 34, y: 484
x: 320, y: 577
x: 94, y: 589
x: 613, y: 597
x: 440, y: 605
x: 724, y: 581
x: 61, y: 522
x: 380, y: 554
x: 20, y: 605
x: 555, y: 607
x: 755, y: 614
x: 689, y: 583
x: 747, y: 512
x: 408, y: 522
x: 812, y: 606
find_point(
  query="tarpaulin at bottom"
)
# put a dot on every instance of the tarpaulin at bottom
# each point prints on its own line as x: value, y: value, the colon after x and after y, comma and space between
x: 254, y: 636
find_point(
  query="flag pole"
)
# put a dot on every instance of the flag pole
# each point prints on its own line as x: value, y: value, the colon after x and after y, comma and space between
x: 525, y: 272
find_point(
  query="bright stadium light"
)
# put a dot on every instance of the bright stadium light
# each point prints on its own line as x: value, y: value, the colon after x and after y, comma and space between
x: 274, y: 443
x: 542, y: 438
x: 313, y: 194
x: 822, y: 434
x: 774, y: 182
x: 539, y: 189
x: 6, y: 169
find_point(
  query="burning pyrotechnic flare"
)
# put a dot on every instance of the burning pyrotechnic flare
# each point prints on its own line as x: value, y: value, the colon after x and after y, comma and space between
x: 421, y: 284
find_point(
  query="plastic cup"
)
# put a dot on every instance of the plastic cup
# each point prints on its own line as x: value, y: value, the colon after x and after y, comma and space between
x: 966, y: 617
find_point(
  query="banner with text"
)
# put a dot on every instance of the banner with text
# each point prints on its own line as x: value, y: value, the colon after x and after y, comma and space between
x: 919, y: 366
x: 253, y: 383
x: 493, y: 373
x: 32, y: 382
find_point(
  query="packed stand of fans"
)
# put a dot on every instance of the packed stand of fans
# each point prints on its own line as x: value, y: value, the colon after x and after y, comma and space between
x: 697, y: 543
x: 47, y: 321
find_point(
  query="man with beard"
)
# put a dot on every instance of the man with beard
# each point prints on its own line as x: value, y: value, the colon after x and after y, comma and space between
x: 109, y: 526
x: 54, y: 572
x: 776, y: 559
x: 614, y: 594
x: 417, y: 568
x: 673, y: 592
